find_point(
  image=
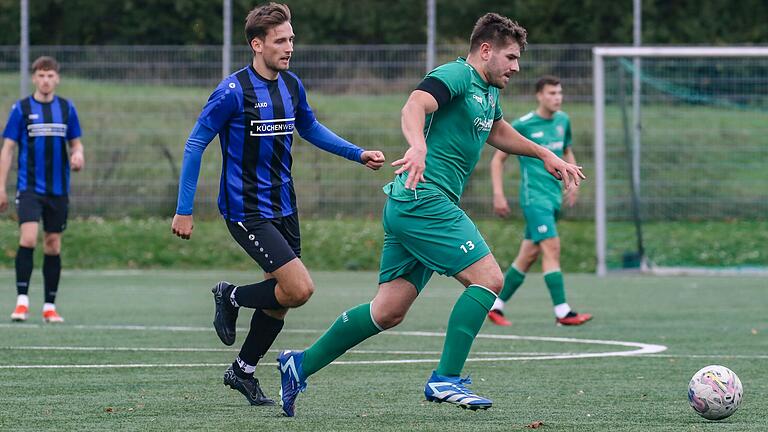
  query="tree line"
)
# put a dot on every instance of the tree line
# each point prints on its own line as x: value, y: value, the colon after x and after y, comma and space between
x: 185, y: 22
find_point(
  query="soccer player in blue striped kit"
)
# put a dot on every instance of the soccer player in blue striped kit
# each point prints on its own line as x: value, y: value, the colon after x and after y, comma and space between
x: 41, y: 125
x: 255, y: 112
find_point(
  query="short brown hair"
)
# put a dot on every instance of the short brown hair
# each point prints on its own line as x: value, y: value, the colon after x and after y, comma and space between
x: 45, y: 63
x: 262, y: 18
x: 545, y: 81
x: 496, y: 29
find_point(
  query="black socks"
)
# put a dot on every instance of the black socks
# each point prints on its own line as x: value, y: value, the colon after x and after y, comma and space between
x: 258, y: 296
x: 51, y: 276
x: 24, y: 265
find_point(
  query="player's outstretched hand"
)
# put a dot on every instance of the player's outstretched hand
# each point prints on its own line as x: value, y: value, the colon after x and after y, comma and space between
x: 3, y: 201
x: 501, y: 206
x: 373, y: 159
x: 570, y: 174
x: 77, y: 161
x: 182, y: 226
x: 413, y: 161
x: 571, y: 195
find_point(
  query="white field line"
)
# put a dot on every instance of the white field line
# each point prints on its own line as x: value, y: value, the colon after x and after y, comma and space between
x: 358, y: 352
x: 640, y: 348
x: 270, y: 364
x: 184, y: 350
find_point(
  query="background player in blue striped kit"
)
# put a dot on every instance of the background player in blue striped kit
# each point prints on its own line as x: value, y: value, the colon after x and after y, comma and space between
x: 255, y: 112
x: 41, y: 125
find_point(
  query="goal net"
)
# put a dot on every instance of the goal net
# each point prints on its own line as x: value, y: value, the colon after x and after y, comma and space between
x: 681, y: 159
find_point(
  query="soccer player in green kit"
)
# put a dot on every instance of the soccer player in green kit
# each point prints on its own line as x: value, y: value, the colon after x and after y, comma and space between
x: 446, y: 121
x: 540, y: 199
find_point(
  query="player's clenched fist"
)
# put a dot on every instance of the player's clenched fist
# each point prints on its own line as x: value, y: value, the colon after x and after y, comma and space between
x: 373, y: 159
x: 182, y: 226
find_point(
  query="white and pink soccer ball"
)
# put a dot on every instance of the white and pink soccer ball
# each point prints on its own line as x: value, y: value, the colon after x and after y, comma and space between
x: 715, y: 392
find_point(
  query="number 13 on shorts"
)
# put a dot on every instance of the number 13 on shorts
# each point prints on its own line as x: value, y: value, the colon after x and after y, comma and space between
x: 467, y: 246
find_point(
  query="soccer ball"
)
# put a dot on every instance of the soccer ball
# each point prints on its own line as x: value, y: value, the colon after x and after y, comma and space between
x: 714, y: 392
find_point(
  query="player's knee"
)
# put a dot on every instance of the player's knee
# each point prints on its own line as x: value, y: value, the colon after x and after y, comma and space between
x: 494, y: 281
x: 27, y: 242
x: 551, y: 248
x: 300, y: 293
x: 530, y: 258
x: 52, y: 246
x: 389, y: 318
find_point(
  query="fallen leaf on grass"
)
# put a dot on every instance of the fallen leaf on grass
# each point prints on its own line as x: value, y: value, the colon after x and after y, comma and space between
x: 109, y: 409
x: 535, y: 425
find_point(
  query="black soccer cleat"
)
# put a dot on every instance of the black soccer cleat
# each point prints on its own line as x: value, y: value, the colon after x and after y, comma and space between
x: 249, y: 387
x: 225, y: 315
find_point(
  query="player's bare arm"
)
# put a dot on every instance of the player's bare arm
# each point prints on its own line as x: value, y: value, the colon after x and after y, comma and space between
x: 6, y: 154
x: 505, y: 138
x: 77, y: 157
x: 500, y: 204
x: 412, y: 117
x: 572, y: 194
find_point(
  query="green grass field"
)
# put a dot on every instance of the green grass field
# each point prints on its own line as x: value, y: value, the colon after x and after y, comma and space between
x: 138, y: 353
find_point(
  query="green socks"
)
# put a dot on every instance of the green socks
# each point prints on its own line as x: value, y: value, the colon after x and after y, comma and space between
x: 357, y: 325
x: 349, y: 329
x: 512, y: 281
x: 467, y: 317
x: 556, y: 286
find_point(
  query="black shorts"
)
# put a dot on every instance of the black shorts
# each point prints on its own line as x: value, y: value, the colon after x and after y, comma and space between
x: 270, y: 242
x: 53, y: 209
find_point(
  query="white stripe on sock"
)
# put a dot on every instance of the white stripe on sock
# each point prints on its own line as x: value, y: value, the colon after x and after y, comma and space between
x: 370, y: 309
x: 485, y: 288
x: 249, y: 369
x: 518, y: 270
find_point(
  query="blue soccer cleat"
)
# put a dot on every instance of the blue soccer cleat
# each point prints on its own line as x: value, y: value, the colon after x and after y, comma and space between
x: 291, y: 384
x: 453, y: 390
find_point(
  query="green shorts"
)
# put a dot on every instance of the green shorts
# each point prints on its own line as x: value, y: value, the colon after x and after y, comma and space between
x: 430, y: 234
x: 540, y: 223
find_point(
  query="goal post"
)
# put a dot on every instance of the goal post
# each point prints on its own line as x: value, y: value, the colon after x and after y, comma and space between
x: 703, y: 186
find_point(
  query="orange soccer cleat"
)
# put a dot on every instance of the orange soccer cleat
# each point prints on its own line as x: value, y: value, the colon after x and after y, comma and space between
x: 51, y: 316
x: 573, y: 319
x: 497, y: 317
x: 21, y: 313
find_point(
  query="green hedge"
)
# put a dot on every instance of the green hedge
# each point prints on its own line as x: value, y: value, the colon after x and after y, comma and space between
x: 354, y: 244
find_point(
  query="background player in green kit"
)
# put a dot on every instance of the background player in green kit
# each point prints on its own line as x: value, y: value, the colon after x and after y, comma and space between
x: 540, y: 199
x: 447, y: 120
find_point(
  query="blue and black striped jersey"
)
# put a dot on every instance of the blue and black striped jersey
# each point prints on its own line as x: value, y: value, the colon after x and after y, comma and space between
x: 42, y: 131
x: 255, y: 119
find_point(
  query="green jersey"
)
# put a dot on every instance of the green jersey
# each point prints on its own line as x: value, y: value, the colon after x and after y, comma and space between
x: 455, y: 133
x: 537, y: 186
